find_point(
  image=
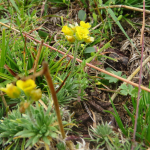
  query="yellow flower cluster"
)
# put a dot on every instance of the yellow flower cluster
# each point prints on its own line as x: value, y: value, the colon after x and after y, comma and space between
x: 27, y: 86
x: 76, y: 32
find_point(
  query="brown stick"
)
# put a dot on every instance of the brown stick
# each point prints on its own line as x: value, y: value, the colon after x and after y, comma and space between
x: 51, y: 87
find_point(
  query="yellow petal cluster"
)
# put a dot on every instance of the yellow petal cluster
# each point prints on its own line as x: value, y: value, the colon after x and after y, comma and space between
x: 11, y: 90
x: 81, y: 33
x: 76, y: 32
x: 27, y: 86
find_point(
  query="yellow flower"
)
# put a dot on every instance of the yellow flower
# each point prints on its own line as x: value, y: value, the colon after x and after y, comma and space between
x: 81, y: 33
x: 27, y: 85
x: 85, y: 25
x: 89, y: 39
x: 70, y: 38
x: 36, y: 94
x: 67, y: 31
x: 11, y: 90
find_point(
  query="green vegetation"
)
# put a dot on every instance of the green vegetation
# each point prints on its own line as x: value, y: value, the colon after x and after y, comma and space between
x: 54, y: 63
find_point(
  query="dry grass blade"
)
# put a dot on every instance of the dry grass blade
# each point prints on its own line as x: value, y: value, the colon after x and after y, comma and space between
x: 42, y: 103
x: 127, y: 7
x: 94, y: 123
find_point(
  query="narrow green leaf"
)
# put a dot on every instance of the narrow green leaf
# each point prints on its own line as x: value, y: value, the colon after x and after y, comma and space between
x: 14, y: 4
x: 2, y: 58
x: 25, y: 133
x: 46, y: 140
x: 23, y: 144
x: 117, y: 117
x: 29, y: 142
x: 6, y: 77
x: 120, y: 26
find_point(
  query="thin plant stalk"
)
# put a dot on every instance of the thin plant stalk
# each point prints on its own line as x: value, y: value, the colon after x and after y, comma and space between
x: 140, y: 77
x: 74, y: 59
x: 56, y: 104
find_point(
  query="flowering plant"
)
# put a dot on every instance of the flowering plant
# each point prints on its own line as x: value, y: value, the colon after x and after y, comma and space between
x: 28, y: 87
x: 79, y: 33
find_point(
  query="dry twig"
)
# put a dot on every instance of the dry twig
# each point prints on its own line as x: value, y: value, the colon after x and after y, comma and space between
x: 124, y: 6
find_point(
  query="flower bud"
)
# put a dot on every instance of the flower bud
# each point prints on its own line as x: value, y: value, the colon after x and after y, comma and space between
x: 36, y: 94
x: 70, y: 38
x: 89, y: 39
x: 22, y: 109
x: 26, y: 105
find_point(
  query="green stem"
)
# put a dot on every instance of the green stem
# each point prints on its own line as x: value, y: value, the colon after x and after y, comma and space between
x: 74, y: 59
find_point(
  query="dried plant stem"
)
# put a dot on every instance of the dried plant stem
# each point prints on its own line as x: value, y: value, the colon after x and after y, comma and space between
x: 37, y: 57
x: 88, y: 64
x: 131, y: 76
x: 140, y: 77
x: 51, y: 87
x: 43, y: 8
x: 124, y: 6
x: 3, y: 99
